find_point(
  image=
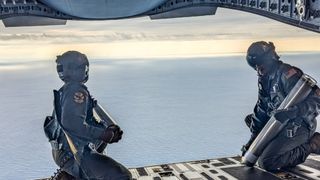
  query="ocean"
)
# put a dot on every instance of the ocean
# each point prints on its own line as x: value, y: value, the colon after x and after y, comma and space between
x: 171, y: 110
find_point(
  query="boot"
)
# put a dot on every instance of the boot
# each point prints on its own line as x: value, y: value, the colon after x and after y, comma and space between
x: 315, y: 143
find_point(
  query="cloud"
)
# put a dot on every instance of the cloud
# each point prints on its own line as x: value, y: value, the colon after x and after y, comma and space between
x: 225, y: 25
x: 228, y: 31
x: 93, y: 38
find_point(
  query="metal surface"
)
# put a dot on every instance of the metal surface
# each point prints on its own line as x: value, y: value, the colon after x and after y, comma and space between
x: 298, y: 93
x: 281, y: 10
x: 301, y: 13
x: 224, y: 168
x: 186, y: 12
x: 102, y: 116
x: 102, y: 9
x: 31, y: 21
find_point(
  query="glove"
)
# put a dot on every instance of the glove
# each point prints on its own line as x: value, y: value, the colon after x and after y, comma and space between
x: 248, y: 120
x: 112, y: 134
x: 94, y: 102
x: 117, y: 134
x: 286, y: 114
x: 245, y: 147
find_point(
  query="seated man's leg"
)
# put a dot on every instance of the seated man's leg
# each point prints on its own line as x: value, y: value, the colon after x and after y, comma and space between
x: 286, y: 151
x: 99, y: 166
x: 72, y: 168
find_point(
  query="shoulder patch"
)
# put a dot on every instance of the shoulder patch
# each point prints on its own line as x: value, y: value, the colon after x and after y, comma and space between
x: 290, y: 73
x: 78, y: 97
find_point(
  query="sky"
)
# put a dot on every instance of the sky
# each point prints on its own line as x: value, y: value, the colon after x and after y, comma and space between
x: 227, y: 32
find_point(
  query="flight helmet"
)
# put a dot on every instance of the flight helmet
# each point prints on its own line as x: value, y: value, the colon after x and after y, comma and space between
x: 73, y: 66
x: 262, y: 56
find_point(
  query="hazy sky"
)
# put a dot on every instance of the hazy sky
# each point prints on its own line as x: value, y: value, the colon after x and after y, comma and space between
x: 229, y: 31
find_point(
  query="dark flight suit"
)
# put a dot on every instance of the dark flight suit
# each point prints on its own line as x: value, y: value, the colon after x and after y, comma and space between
x: 291, y: 146
x: 75, y: 108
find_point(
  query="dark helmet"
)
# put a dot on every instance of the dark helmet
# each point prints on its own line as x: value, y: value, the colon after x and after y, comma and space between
x: 73, y: 66
x: 262, y: 54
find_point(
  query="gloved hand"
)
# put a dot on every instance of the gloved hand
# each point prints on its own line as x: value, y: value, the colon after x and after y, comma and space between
x: 112, y: 134
x: 246, y: 147
x: 248, y: 120
x: 117, y: 133
x: 286, y: 114
x: 94, y: 102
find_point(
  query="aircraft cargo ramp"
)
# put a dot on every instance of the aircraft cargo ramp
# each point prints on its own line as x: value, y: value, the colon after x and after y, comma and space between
x: 229, y: 168
x: 224, y: 169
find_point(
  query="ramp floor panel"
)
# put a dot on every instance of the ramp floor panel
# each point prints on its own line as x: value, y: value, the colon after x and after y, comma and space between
x: 225, y: 169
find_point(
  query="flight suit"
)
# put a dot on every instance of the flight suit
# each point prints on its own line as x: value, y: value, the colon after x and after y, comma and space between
x: 74, y: 111
x: 290, y: 147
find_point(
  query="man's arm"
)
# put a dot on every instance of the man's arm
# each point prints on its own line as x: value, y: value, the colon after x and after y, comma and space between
x: 254, y: 122
x: 309, y: 106
x: 74, y: 112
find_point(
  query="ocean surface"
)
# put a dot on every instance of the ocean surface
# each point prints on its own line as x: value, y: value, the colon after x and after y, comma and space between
x: 171, y: 110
